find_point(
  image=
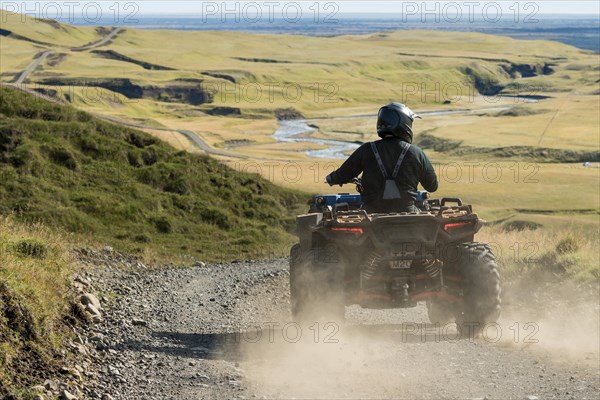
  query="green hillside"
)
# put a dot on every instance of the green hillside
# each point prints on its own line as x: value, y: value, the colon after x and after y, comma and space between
x: 122, y: 187
x: 35, y: 305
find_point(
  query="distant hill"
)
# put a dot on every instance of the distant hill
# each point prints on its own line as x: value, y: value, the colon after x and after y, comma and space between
x: 153, y: 69
x: 582, y: 31
x: 122, y: 187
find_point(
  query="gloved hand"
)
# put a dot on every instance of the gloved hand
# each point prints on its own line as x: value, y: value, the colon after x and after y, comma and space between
x: 328, y: 180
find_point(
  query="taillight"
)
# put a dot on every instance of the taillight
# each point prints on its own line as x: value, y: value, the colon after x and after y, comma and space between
x: 356, y: 231
x: 456, y: 225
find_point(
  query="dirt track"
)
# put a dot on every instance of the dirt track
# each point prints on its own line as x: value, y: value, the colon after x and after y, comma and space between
x: 36, y: 62
x: 110, y: 36
x: 192, y: 334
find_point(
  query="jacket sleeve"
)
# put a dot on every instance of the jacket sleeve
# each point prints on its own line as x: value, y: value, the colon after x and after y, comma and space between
x: 350, y: 169
x: 428, y: 177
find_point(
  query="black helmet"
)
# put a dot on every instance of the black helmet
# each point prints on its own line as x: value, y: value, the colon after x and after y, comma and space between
x: 396, y: 119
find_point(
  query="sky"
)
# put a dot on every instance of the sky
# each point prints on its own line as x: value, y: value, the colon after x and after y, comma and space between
x: 200, y: 7
x: 351, y: 6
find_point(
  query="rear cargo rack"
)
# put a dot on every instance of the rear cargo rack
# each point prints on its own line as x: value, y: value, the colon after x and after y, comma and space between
x: 446, y: 211
x: 351, y: 216
x: 449, y: 212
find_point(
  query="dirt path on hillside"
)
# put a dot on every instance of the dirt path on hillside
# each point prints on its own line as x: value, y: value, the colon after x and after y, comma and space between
x: 224, y: 332
x: 40, y: 57
x: 32, y: 67
x: 110, y: 36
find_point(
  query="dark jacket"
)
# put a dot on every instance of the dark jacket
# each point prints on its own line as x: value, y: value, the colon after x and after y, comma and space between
x: 416, y: 168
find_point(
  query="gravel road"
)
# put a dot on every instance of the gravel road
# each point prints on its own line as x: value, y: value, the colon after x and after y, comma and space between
x: 35, y: 63
x: 224, y: 332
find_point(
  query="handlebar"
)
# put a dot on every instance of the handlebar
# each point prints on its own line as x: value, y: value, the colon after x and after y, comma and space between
x: 451, y: 200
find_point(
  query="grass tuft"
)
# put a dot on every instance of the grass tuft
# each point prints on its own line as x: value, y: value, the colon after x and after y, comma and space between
x: 568, y: 244
x: 31, y: 247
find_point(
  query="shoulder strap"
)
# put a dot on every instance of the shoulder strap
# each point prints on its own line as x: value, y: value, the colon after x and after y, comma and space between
x: 405, y: 146
x: 378, y: 158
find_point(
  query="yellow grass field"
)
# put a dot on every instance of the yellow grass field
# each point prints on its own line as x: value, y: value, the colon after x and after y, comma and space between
x: 348, y: 75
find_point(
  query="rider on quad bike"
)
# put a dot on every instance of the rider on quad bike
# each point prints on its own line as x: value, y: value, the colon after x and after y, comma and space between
x: 391, y: 246
x: 392, y: 167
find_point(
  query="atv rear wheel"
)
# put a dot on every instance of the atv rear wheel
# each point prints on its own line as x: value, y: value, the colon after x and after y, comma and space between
x: 439, y: 313
x: 316, y: 286
x: 481, y: 288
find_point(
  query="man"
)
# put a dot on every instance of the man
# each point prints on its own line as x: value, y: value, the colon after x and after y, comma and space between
x: 392, y: 167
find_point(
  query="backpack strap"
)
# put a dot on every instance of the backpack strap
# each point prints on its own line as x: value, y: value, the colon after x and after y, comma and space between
x: 378, y: 158
x: 405, y: 146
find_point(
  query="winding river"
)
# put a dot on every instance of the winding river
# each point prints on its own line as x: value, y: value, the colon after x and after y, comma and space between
x: 290, y: 131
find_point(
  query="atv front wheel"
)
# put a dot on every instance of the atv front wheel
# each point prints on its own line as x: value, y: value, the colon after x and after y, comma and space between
x: 316, y: 286
x: 481, y: 288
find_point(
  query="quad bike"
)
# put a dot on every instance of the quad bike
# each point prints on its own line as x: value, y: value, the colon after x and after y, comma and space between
x: 347, y: 256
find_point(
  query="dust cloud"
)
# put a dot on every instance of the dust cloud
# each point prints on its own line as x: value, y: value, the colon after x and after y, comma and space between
x: 560, y: 320
x: 398, y: 354
x: 373, y: 356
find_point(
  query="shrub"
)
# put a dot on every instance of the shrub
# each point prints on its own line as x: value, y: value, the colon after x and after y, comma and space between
x: 133, y: 158
x: 142, y: 238
x: 216, y: 217
x: 88, y: 146
x: 178, y: 185
x: 140, y: 141
x: 31, y: 248
x: 63, y: 157
x: 150, y: 156
x: 568, y: 244
x: 162, y: 224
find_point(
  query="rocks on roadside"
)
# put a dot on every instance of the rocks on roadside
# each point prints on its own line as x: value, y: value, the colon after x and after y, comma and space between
x: 39, y: 389
x: 80, y: 283
x: 89, y: 298
x: 43, y: 392
x: 65, y: 395
x: 50, y: 385
x: 138, y: 322
x: 79, y: 347
x: 91, y: 306
x: 72, y: 372
x: 94, y: 313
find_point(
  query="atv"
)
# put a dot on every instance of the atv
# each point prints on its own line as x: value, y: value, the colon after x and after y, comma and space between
x: 395, y: 260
